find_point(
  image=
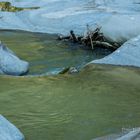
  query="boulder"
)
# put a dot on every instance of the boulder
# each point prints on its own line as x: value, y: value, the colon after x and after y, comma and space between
x: 10, y: 64
x: 8, y: 131
x: 132, y: 135
x: 128, y: 135
x: 126, y: 55
x: 120, y: 28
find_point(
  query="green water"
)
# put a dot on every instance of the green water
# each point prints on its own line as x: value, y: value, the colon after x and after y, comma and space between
x: 45, y: 53
x: 99, y: 100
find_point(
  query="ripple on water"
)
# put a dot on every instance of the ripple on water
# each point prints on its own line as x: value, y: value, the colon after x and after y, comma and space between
x: 98, y: 101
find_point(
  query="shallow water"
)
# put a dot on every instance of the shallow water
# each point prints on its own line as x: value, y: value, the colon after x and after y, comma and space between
x: 45, y: 53
x: 100, y: 100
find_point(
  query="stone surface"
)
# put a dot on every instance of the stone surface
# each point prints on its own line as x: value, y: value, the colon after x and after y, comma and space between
x: 126, y: 55
x: 121, y: 28
x: 10, y: 64
x: 132, y: 135
x: 61, y: 16
x: 128, y: 135
x: 73, y: 70
x: 8, y: 131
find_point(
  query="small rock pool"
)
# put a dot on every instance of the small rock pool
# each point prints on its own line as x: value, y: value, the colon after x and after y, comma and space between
x: 46, y: 54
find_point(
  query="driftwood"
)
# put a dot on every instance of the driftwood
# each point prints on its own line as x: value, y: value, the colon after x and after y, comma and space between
x: 71, y: 37
x: 92, y: 39
x: 89, y: 33
x: 104, y: 44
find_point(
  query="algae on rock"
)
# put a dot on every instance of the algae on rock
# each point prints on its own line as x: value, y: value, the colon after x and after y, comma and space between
x: 6, y: 6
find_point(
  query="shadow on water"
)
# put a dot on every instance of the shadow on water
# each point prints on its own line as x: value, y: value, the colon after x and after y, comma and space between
x: 45, y: 53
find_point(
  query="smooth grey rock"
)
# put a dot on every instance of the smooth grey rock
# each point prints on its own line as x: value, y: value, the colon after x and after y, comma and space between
x: 127, y: 55
x: 133, y: 134
x: 120, y: 28
x: 8, y: 131
x: 10, y: 64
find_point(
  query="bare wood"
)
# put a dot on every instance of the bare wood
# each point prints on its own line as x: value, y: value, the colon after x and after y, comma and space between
x: 105, y: 44
x: 63, y: 37
x: 89, y: 33
x: 73, y: 36
x: 93, y: 38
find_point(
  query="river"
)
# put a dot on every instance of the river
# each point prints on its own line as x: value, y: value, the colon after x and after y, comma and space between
x: 97, y: 101
x: 46, y: 54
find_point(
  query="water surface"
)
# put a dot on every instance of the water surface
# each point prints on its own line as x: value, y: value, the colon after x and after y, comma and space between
x: 100, y: 100
x: 47, y: 55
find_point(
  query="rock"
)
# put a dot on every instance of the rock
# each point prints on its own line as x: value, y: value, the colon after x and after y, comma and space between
x: 132, y: 135
x: 120, y: 28
x: 6, y: 6
x: 10, y: 64
x: 73, y: 70
x: 129, y: 135
x: 69, y: 70
x: 8, y: 131
x: 126, y: 55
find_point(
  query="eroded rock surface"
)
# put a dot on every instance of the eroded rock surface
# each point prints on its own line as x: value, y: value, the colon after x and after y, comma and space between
x: 126, y: 55
x: 6, y: 6
x: 10, y: 64
x: 130, y: 135
x: 8, y: 131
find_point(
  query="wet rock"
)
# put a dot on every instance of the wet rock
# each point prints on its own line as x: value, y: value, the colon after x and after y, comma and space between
x: 132, y: 135
x: 10, y: 64
x: 128, y: 135
x: 69, y: 70
x: 73, y: 70
x: 8, y: 131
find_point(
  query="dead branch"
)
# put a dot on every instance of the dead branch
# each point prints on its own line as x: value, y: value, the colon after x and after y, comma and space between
x: 93, y: 39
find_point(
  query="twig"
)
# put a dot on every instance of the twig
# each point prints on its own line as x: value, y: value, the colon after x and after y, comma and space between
x: 89, y: 33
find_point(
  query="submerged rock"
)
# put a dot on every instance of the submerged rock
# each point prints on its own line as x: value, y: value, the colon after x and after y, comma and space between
x: 73, y: 70
x: 127, y: 54
x: 69, y: 70
x: 8, y: 131
x: 130, y: 135
x: 10, y: 64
